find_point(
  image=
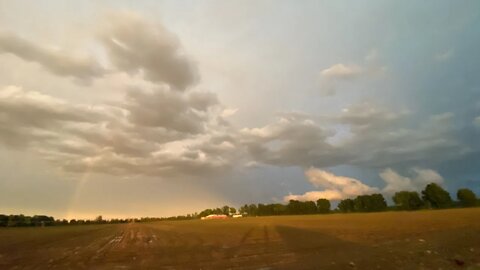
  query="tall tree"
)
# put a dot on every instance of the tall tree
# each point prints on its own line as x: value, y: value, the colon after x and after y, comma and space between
x: 370, y: 203
x: 225, y: 210
x: 436, y: 197
x: 3, y: 220
x: 252, y: 210
x: 99, y: 219
x: 466, y: 197
x: 346, y: 206
x: 243, y: 209
x: 323, y: 205
x: 407, y: 200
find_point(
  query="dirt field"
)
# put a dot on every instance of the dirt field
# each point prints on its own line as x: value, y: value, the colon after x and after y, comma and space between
x: 447, y: 239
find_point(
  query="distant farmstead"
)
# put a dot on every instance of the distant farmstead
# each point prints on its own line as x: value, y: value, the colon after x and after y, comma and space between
x: 215, y: 217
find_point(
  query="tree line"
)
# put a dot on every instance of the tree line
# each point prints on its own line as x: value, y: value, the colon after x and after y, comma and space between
x: 432, y: 197
x: 42, y: 221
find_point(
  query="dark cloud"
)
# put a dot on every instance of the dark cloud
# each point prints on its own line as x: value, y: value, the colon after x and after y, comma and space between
x: 376, y: 138
x: 294, y: 140
x: 134, y: 44
x: 393, y: 141
x: 60, y: 63
x: 170, y: 110
x: 156, y: 133
x: 163, y: 132
x: 27, y: 116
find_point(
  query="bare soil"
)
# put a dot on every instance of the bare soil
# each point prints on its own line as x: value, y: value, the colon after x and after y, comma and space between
x: 444, y: 239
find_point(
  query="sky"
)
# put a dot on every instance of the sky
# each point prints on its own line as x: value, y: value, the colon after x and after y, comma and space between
x: 159, y: 108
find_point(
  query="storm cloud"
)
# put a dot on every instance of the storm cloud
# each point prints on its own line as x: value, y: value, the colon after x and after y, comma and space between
x: 118, y: 140
x: 134, y: 45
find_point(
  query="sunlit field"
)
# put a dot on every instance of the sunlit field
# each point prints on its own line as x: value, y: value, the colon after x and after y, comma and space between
x: 444, y: 239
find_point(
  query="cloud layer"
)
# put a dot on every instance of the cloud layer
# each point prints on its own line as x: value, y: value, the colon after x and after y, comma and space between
x: 372, y: 136
x: 334, y: 187
x: 157, y: 132
x: 166, y: 125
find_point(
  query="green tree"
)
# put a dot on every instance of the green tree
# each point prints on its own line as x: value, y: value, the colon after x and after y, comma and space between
x: 233, y: 211
x: 466, y: 197
x: 3, y: 220
x: 436, y: 197
x: 309, y: 207
x: 41, y: 220
x: 407, y: 200
x: 346, y: 206
x: 16, y: 221
x: 279, y: 209
x: 252, y: 210
x: 323, y: 205
x: 243, y: 209
x: 294, y: 207
x: 99, y: 219
x: 205, y: 213
x: 370, y: 203
x: 225, y: 210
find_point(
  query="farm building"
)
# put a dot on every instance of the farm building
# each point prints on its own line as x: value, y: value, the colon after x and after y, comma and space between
x: 215, y: 217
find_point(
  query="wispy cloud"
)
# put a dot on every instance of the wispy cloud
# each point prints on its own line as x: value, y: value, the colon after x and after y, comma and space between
x: 338, y: 75
x: 58, y: 62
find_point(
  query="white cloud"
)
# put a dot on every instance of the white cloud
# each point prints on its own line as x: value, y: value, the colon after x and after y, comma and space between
x: 229, y: 112
x: 334, y: 187
x: 329, y: 194
x: 420, y: 178
x: 339, y: 75
x: 341, y: 71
